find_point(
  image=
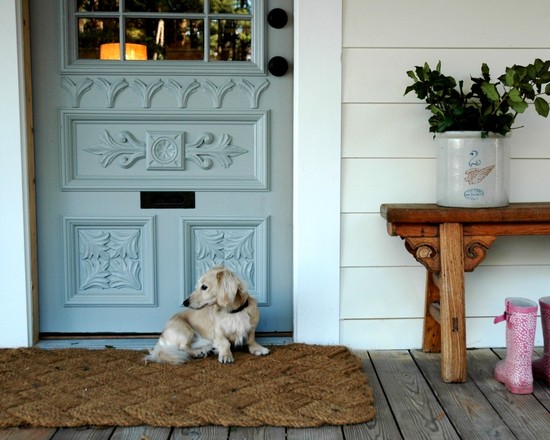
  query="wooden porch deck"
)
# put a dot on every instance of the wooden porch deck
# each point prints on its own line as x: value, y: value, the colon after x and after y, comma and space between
x: 411, y: 403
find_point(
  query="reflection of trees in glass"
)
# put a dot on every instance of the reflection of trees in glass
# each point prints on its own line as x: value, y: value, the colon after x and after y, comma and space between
x: 184, y: 6
x: 96, y: 5
x: 230, y: 40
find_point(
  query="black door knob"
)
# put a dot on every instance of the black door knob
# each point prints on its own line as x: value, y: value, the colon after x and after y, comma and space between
x: 277, y: 66
x: 277, y: 18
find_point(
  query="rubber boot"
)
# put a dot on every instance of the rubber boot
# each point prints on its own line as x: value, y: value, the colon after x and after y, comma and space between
x: 516, y: 372
x: 541, y: 367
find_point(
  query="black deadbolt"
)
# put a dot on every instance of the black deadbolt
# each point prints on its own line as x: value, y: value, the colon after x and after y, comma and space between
x: 277, y: 66
x: 277, y: 18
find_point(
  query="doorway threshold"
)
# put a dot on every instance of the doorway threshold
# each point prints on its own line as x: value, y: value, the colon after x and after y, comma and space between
x: 133, y: 342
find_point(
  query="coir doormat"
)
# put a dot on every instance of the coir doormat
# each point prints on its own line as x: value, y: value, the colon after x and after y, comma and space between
x: 297, y: 385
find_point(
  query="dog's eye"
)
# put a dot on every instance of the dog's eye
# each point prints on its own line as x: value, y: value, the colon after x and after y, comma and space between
x: 204, y: 287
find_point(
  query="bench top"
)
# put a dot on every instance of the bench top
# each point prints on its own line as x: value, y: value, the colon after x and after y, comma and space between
x: 532, y: 212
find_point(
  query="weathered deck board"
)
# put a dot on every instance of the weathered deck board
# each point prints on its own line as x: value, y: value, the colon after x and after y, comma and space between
x: 27, y: 434
x: 84, y: 434
x: 523, y: 414
x: 383, y: 426
x: 324, y: 433
x: 466, y: 403
x: 263, y: 433
x: 417, y: 411
x: 141, y: 432
x: 202, y: 433
x: 411, y: 402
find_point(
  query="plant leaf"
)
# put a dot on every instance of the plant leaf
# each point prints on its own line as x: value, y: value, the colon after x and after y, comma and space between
x: 491, y: 91
x: 520, y: 106
x: 541, y: 106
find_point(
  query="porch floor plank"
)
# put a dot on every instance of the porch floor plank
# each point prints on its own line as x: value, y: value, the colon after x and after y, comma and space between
x: 141, y: 432
x: 416, y: 409
x: 411, y: 402
x: 478, y: 419
x: 526, y: 417
x: 202, y: 433
x: 84, y: 434
x: 261, y: 433
x: 383, y: 425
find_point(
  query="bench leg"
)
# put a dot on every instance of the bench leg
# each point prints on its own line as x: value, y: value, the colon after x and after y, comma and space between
x: 453, y: 322
x: 431, y: 338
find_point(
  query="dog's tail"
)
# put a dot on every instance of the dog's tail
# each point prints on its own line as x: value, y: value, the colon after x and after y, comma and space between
x: 167, y: 354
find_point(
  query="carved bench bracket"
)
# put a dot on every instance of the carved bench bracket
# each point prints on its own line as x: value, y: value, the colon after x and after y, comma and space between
x: 475, y: 250
x: 425, y: 250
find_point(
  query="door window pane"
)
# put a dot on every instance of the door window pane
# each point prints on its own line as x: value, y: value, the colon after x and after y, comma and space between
x: 167, y: 39
x: 231, y: 6
x: 97, y: 5
x: 184, y: 6
x: 230, y: 40
x: 92, y: 33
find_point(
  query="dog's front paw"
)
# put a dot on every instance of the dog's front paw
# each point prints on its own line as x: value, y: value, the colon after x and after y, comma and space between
x: 226, y: 358
x: 258, y: 350
x: 201, y: 354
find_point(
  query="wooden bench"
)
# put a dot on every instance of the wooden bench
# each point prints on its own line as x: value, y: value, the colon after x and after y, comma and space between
x: 449, y: 242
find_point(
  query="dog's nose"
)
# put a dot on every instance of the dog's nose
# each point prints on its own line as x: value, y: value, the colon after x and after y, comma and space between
x: 186, y: 302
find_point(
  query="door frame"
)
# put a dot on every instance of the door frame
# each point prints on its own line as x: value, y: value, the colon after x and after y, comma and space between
x: 316, y: 174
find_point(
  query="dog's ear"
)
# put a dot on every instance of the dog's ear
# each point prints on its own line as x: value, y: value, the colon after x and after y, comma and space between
x: 228, y: 286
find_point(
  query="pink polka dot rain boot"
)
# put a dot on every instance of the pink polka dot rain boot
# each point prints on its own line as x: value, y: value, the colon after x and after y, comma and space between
x: 515, y: 372
x: 541, y: 367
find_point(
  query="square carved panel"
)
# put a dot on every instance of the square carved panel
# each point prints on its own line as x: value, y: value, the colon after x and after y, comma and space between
x: 109, y: 261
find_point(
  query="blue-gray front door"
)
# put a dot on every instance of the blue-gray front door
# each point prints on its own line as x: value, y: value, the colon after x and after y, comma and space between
x: 152, y: 169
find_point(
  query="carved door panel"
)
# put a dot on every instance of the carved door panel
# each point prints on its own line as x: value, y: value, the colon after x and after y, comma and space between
x: 152, y: 169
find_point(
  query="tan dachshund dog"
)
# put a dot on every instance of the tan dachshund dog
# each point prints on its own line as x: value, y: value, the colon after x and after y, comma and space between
x: 221, y: 313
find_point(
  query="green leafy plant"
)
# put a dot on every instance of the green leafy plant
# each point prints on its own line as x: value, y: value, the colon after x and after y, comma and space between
x: 488, y: 106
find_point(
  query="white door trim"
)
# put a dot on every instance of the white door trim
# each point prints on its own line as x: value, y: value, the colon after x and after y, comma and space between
x: 317, y: 140
x: 16, y: 316
x: 317, y: 156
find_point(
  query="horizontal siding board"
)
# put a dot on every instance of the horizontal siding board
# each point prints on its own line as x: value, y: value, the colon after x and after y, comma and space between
x: 470, y: 23
x: 398, y: 292
x: 397, y: 130
x: 383, y: 334
x: 487, y: 287
x: 379, y: 75
x: 389, y: 292
x: 365, y: 242
x: 368, y: 183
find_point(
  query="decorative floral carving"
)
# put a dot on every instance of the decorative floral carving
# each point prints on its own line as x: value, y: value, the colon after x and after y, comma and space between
x: 216, y: 92
x: 202, y: 152
x: 183, y: 92
x: 128, y: 148
x: 253, y: 90
x: 109, y: 259
x: 111, y: 90
x: 164, y: 150
x: 147, y: 91
x: 232, y: 247
x: 76, y: 90
x: 221, y: 153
